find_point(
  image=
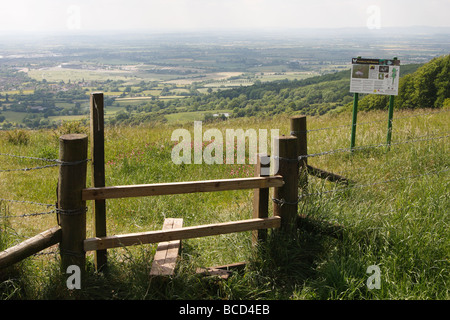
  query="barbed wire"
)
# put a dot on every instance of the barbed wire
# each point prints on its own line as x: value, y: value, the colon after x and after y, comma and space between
x: 28, y: 202
x: 363, y: 147
x: 57, y: 163
x: 29, y: 214
x: 62, y: 163
x: 345, y: 125
x: 421, y: 114
x: 357, y: 169
x: 46, y: 253
x: 370, y: 146
x: 28, y: 157
x: 304, y: 195
x: 377, y: 121
x: 375, y: 183
x: 32, y: 168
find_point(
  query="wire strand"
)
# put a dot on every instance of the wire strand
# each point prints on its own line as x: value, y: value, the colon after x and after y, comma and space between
x: 29, y: 215
x: 374, y: 183
x: 371, y: 146
x: 376, y: 121
x: 28, y: 202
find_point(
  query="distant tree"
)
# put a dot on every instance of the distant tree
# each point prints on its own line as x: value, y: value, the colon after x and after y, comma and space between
x: 442, y: 83
x: 427, y: 87
x: 122, y: 116
x: 425, y: 90
x: 406, y: 93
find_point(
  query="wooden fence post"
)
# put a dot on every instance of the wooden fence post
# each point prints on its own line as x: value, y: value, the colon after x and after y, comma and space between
x: 298, y: 129
x: 286, y: 197
x: 98, y: 172
x: 261, y: 197
x: 71, y: 208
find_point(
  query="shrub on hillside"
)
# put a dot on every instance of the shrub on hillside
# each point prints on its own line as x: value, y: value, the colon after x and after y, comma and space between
x: 18, y: 137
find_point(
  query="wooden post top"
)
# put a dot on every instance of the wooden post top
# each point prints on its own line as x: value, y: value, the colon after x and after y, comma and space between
x: 73, y: 136
x: 286, y: 137
x: 298, y: 117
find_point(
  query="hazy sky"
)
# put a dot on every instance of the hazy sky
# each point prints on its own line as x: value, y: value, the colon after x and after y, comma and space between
x: 169, y: 15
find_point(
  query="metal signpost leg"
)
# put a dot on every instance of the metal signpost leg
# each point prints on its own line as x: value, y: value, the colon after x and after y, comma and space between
x: 355, y: 112
x: 391, y: 114
x: 391, y: 111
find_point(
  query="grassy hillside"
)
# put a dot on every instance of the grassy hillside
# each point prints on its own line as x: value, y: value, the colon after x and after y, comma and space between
x: 395, y: 216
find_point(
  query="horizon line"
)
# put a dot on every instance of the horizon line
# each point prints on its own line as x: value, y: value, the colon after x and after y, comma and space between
x: 219, y: 30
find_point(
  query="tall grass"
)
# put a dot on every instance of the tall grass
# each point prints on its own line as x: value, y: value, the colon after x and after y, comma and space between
x: 391, y: 216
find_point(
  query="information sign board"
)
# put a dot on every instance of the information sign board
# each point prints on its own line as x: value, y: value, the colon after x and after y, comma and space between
x: 375, y: 76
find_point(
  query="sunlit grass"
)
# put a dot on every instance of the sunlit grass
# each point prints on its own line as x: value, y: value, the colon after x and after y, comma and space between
x: 401, y: 225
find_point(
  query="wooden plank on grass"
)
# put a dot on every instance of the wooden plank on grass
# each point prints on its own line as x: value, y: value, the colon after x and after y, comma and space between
x: 179, y: 234
x: 223, y: 271
x: 158, y: 189
x: 167, y: 252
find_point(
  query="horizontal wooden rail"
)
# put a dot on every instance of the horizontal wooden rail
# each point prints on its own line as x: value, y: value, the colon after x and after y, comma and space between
x: 180, y: 234
x: 30, y: 246
x: 158, y: 189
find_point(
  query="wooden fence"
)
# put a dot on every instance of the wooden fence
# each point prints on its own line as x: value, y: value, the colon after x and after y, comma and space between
x: 72, y: 195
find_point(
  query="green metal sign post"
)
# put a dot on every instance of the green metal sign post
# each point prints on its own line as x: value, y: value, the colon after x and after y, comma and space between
x: 391, y: 111
x: 378, y: 76
x: 355, y: 114
x: 390, y: 116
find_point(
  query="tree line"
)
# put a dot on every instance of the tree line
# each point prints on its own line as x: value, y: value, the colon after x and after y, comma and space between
x: 427, y: 87
x: 421, y: 86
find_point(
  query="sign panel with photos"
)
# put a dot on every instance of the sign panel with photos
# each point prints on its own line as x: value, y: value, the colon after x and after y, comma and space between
x: 375, y: 76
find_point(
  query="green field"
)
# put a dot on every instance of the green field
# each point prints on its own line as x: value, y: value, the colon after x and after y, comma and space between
x: 16, y: 92
x: 58, y: 74
x: 395, y: 216
x: 17, y: 117
x: 14, y: 117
